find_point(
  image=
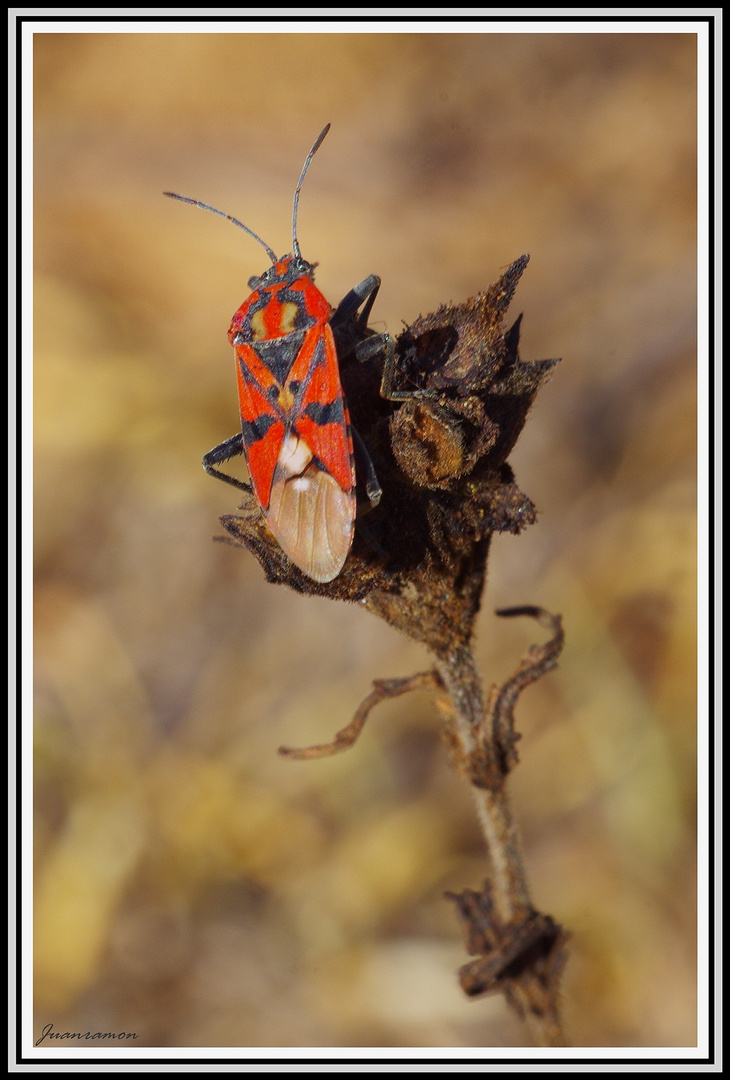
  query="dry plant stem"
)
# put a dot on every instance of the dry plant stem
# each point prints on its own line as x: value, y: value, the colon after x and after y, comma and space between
x: 508, y: 877
x: 461, y: 680
x: 546, y: 1027
x: 519, y: 950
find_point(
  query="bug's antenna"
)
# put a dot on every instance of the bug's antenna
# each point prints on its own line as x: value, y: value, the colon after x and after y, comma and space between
x: 228, y: 217
x: 295, y: 243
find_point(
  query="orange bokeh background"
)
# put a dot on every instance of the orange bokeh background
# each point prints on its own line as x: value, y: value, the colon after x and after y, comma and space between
x: 192, y: 886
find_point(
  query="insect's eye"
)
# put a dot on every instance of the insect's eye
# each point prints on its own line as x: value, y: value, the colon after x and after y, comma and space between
x: 257, y: 282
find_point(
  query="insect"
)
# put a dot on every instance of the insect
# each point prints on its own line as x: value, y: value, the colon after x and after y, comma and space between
x: 300, y: 449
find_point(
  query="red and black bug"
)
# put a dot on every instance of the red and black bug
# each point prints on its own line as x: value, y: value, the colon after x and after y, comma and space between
x: 295, y: 425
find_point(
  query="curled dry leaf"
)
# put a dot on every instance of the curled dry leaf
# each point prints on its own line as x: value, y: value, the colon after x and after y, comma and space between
x: 523, y: 959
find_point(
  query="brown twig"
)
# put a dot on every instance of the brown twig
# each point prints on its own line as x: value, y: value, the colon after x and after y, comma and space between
x: 383, y: 689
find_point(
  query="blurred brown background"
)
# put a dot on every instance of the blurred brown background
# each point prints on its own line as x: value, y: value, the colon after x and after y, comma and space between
x: 192, y: 886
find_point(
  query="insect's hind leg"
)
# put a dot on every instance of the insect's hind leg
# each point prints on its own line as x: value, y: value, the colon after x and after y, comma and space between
x: 232, y: 447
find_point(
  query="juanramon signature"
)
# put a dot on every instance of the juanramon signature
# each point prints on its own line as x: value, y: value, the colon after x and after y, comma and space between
x: 84, y: 1036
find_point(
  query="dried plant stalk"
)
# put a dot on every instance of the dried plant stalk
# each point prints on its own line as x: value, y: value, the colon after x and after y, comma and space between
x: 419, y: 562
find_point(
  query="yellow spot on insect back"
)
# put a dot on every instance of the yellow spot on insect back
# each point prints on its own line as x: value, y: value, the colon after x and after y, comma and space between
x: 288, y: 318
x: 286, y: 398
x: 258, y: 329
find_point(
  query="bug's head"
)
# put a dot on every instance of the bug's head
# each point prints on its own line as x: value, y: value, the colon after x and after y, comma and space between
x: 284, y: 271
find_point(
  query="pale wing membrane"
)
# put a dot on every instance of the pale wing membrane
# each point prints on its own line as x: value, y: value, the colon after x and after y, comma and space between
x: 313, y: 519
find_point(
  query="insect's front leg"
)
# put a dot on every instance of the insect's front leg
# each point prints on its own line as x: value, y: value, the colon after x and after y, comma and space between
x: 384, y: 344
x: 374, y: 344
x: 364, y: 293
x: 232, y: 447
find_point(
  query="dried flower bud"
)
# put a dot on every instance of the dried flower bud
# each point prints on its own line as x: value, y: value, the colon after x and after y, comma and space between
x: 440, y: 452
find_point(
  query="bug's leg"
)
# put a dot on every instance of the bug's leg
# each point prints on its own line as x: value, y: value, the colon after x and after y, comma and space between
x: 385, y: 344
x: 366, y: 469
x: 232, y: 447
x: 370, y: 347
x: 364, y: 293
x: 387, y: 389
x: 375, y: 344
